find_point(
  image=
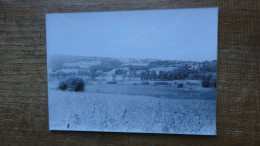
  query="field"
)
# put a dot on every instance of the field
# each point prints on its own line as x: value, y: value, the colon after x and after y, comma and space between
x: 134, y: 106
x: 132, y: 95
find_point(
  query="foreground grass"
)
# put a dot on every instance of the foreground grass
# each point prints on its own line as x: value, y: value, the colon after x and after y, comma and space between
x: 104, y: 110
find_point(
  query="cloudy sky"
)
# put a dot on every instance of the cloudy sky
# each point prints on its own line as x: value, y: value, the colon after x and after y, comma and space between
x: 171, y: 34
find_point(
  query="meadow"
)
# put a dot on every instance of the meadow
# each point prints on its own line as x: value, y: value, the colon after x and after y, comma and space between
x: 132, y: 106
x: 132, y: 95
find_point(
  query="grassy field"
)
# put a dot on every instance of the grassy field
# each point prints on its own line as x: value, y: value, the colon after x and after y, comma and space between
x: 134, y: 107
x: 188, y: 92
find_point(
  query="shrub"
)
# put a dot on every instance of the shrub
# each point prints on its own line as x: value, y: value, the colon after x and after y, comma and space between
x: 180, y: 85
x: 63, y: 85
x: 161, y: 84
x: 195, y: 76
x: 189, y: 83
x: 213, y: 81
x: 145, y: 83
x: 206, y: 81
x: 72, y: 84
x: 112, y: 82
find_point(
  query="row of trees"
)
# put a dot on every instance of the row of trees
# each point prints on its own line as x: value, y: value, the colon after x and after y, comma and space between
x: 208, y: 79
x: 161, y: 63
x: 178, y: 74
x: 205, y: 71
x: 207, y: 74
x: 183, y: 72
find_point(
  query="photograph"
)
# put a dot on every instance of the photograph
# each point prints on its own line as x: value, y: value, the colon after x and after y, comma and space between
x: 134, y: 71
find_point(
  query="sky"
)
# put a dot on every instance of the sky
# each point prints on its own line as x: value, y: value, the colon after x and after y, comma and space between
x: 188, y: 34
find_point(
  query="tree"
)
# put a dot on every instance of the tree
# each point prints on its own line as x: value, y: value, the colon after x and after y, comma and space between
x: 72, y: 84
x: 94, y: 71
x: 213, y: 80
x: 55, y: 63
x: 169, y: 76
x: 142, y: 75
x: 153, y: 75
x: 181, y: 73
x: 145, y: 75
x: 209, y: 66
x: 119, y: 72
x: 206, y: 80
x: 161, y: 75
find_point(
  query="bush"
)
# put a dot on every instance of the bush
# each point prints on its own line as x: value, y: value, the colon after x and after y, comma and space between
x: 72, y: 84
x: 112, y: 82
x: 180, y: 85
x: 145, y: 83
x: 213, y: 81
x: 63, y: 85
x: 207, y: 81
x: 161, y: 84
x: 189, y: 83
x: 195, y: 76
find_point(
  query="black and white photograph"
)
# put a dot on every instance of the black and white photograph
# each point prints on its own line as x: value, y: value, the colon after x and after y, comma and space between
x: 134, y: 71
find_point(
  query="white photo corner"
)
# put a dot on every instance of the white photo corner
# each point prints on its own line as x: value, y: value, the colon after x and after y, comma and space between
x: 137, y: 71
